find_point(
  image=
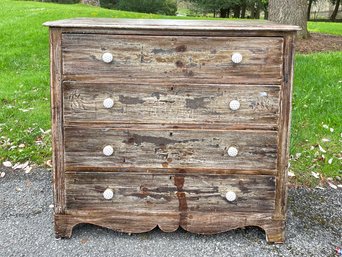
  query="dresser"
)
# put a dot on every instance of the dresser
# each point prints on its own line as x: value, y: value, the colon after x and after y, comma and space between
x: 170, y: 123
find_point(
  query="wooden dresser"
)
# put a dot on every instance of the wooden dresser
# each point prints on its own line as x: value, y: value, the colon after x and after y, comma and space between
x: 170, y: 123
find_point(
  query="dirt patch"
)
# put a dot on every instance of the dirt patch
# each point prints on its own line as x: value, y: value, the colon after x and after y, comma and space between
x: 319, y: 43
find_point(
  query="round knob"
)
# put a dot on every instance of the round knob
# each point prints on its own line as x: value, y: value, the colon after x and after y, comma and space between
x: 232, y: 151
x: 234, y: 105
x: 108, y: 103
x: 236, y: 57
x: 108, y: 194
x: 230, y: 196
x: 107, y: 57
x: 108, y: 150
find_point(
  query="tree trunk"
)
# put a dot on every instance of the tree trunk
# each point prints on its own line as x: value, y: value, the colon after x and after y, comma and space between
x: 91, y: 2
x: 290, y: 12
x: 334, y: 14
x: 243, y: 11
x: 309, y: 9
x: 224, y: 13
x: 236, y: 11
x: 266, y: 14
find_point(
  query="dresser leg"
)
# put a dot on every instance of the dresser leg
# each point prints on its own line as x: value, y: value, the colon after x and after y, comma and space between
x: 63, y: 226
x: 275, y: 232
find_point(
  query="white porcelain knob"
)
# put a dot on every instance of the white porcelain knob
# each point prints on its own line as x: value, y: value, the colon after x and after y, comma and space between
x: 108, y: 194
x: 236, y: 57
x: 108, y: 103
x: 107, y: 57
x: 108, y: 150
x: 230, y: 196
x: 232, y: 151
x: 234, y: 105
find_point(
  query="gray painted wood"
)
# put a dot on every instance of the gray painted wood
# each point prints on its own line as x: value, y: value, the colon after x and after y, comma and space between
x: 201, y: 59
x: 173, y: 193
x: 171, y: 104
x: 170, y: 129
x: 170, y: 148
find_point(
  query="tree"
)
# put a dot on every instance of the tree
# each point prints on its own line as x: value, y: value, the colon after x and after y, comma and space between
x: 290, y: 12
x: 310, y: 2
x: 337, y: 6
x: 167, y: 7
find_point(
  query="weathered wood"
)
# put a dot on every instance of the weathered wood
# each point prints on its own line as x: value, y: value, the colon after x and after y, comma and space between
x: 170, y: 126
x: 175, y: 32
x: 170, y: 149
x: 57, y: 118
x: 157, y: 24
x: 284, y: 131
x: 196, y: 222
x: 169, y: 193
x: 174, y: 58
x: 146, y: 103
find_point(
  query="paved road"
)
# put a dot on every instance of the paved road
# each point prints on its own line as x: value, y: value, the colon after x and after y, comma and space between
x: 26, y: 229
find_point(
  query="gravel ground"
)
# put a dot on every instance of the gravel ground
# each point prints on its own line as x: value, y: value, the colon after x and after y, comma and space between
x: 313, y: 229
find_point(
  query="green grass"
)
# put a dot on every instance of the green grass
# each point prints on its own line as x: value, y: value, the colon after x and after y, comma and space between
x: 317, y: 102
x: 25, y: 100
x: 333, y: 28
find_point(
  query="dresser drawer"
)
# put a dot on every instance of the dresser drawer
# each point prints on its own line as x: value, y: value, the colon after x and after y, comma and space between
x: 174, y: 149
x: 152, y: 58
x: 171, y: 104
x: 171, y: 193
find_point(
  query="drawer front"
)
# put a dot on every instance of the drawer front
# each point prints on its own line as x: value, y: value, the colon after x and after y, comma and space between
x: 169, y: 193
x: 242, y: 150
x: 203, y: 59
x: 171, y: 104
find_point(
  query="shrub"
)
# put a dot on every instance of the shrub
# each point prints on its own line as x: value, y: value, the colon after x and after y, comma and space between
x: 107, y: 4
x: 167, y: 7
x: 62, y: 1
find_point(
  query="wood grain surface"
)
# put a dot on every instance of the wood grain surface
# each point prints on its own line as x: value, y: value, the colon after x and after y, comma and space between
x: 171, y: 193
x: 57, y: 119
x: 171, y: 125
x: 171, y: 104
x: 170, y: 148
x: 242, y: 26
x: 201, y: 59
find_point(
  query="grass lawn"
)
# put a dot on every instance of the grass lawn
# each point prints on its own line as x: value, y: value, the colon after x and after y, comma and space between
x: 25, y: 100
x: 333, y: 28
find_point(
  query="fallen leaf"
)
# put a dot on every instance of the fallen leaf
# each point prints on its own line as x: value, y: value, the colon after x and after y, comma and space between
x: 83, y: 241
x: 298, y: 155
x: 18, y: 189
x: 28, y: 169
x: 21, y: 146
x: 51, y: 206
x: 325, y: 126
x: 291, y: 174
x: 325, y: 139
x: 19, y: 166
x: 2, y: 174
x: 318, y: 187
x: 339, y: 186
x: 330, y: 160
x: 312, y: 147
x: 331, y: 130
x: 332, y: 185
x: 315, y: 174
x: 49, y: 163
x: 321, y: 149
x: 7, y: 164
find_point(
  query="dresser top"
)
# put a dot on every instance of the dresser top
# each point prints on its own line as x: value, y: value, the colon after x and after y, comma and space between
x: 245, y: 25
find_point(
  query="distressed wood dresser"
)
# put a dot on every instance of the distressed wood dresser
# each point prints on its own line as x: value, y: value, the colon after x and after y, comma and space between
x: 170, y: 123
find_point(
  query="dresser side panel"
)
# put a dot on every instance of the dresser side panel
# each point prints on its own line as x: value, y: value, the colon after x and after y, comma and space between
x: 284, y: 127
x: 57, y: 118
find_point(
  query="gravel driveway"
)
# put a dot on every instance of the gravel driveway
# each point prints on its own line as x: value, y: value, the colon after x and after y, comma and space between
x: 314, y: 228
